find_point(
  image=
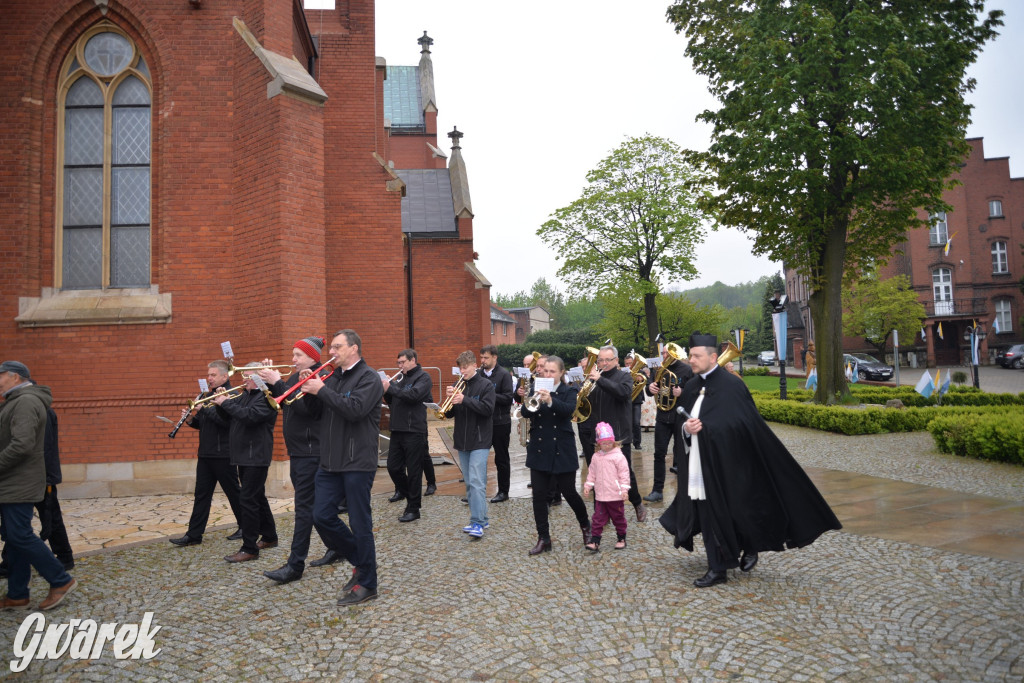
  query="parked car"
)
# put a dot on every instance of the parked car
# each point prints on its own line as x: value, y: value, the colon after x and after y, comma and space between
x: 766, y: 358
x: 868, y: 367
x: 1012, y: 357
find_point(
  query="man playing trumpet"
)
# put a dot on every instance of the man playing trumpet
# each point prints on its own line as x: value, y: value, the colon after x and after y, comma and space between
x: 407, y: 394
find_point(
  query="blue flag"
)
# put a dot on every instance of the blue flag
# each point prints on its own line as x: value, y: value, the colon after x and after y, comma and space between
x: 945, y: 384
x: 812, y: 379
x: 925, y: 386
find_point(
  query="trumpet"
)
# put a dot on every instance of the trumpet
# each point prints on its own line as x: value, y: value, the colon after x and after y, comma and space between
x: 446, y: 404
x: 666, y: 379
x: 233, y: 392
x: 283, y: 398
x: 397, y: 377
x: 232, y: 369
x: 583, y: 408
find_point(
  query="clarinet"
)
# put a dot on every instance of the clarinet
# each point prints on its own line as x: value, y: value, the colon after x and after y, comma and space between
x: 183, y: 418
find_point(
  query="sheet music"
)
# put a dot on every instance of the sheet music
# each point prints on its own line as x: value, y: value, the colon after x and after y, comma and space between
x: 204, y: 386
x: 456, y: 371
x: 545, y: 383
x: 225, y: 348
x: 382, y: 375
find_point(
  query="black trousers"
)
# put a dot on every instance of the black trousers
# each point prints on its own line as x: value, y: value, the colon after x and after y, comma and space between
x: 428, y: 469
x: 302, y: 472
x: 564, y: 482
x: 209, y: 473
x: 637, y: 407
x: 257, y: 519
x: 662, y: 435
x: 718, y: 559
x: 52, y: 529
x: 500, y: 435
x: 588, y: 453
x: 406, y: 453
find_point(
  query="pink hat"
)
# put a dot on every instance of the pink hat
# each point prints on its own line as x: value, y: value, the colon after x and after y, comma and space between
x: 605, y: 432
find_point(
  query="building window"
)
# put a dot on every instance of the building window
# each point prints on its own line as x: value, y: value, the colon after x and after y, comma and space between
x: 1004, y: 321
x: 999, y: 262
x: 939, y: 232
x: 104, y: 142
x: 995, y: 208
x: 492, y: 327
x: 942, y: 288
x: 504, y: 329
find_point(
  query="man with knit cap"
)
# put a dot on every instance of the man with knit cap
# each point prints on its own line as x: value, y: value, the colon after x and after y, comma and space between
x: 302, y: 439
x: 22, y: 485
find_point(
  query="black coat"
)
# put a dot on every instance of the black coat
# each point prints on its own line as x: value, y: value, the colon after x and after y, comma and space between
x: 473, y: 426
x: 683, y: 373
x: 406, y: 398
x: 51, y: 449
x: 213, y: 425
x: 758, y: 496
x: 610, y: 402
x: 251, y: 434
x: 301, y: 419
x: 552, y: 446
x: 503, y: 394
x: 350, y: 426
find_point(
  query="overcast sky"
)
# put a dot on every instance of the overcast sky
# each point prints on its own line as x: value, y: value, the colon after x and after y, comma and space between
x: 544, y: 90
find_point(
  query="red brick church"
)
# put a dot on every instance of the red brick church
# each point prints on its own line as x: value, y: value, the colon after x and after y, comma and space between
x: 179, y: 173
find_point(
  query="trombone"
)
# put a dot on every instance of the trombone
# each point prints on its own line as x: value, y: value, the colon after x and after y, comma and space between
x: 232, y: 369
x: 233, y: 392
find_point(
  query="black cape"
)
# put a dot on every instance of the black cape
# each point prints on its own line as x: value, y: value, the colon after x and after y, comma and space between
x: 758, y: 496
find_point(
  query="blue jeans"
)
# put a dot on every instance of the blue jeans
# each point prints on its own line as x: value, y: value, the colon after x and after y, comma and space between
x: 26, y: 551
x: 474, y: 470
x: 356, y: 544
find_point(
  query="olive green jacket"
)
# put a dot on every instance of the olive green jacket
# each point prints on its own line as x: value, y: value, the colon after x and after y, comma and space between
x: 22, y: 432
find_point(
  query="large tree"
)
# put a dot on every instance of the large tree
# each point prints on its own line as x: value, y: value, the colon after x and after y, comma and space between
x: 839, y: 119
x: 634, y: 227
x: 625, y: 318
x: 874, y: 308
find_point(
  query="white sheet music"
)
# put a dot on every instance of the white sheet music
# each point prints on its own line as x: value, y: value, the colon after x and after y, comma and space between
x: 574, y: 374
x: 225, y: 348
x: 545, y: 383
x: 204, y: 386
x: 523, y: 372
x: 455, y: 370
x: 382, y: 374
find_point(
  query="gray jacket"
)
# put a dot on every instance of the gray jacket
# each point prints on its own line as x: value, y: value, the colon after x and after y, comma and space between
x: 22, y: 435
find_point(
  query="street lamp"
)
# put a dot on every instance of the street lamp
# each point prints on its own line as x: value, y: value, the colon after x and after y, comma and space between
x: 974, y: 334
x: 779, y: 322
x: 739, y: 334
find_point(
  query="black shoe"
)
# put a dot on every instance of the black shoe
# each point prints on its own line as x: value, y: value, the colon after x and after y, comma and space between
x: 747, y: 561
x: 69, y: 565
x: 673, y: 469
x: 357, y: 595
x: 397, y: 497
x: 409, y: 517
x: 465, y: 500
x: 185, y: 540
x: 586, y: 534
x: 431, y: 490
x: 500, y: 497
x: 342, y: 509
x: 554, y: 501
x: 543, y: 546
x: 641, y: 513
x: 636, y: 446
x: 3, y: 572
x: 283, y: 575
x: 237, y: 536
x: 653, y: 497
x: 330, y: 557
x: 711, y: 578
x: 350, y: 584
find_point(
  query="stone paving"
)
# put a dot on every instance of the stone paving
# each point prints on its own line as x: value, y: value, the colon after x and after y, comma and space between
x: 849, y: 607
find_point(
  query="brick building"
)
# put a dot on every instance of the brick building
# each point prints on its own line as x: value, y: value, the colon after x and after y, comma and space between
x: 177, y: 174
x: 979, y: 279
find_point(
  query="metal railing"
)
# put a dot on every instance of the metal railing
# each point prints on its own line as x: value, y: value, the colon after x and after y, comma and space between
x: 954, y: 307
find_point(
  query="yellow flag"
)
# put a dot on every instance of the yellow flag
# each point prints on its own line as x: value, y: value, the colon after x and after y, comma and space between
x: 940, y: 330
x: 945, y: 250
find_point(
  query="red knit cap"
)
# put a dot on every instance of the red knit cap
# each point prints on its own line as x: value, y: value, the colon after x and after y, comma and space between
x: 311, y: 346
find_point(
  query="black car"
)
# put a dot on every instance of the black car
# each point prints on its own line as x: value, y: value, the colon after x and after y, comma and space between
x: 1012, y: 357
x: 868, y: 367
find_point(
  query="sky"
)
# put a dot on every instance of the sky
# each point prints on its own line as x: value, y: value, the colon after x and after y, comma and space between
x: 544, y: 90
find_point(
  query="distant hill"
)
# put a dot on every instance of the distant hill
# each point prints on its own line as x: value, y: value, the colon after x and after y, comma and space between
x: 728, y: 296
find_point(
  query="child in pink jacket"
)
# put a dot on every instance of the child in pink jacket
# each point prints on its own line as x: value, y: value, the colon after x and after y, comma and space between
x: 608, y: 476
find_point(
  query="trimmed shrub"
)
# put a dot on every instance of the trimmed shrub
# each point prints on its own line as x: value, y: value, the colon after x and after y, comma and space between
x: 991, y: 436
x: 755, y: 371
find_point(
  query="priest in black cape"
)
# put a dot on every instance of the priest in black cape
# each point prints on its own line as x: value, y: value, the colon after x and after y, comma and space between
x: 739, y: 487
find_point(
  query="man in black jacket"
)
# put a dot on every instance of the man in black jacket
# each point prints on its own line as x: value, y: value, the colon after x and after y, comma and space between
x: 501, y: 424
x: 473, y: 408
x: 302, y: 439
x: 665, y: 421
x: 213, y: 465
x: 407, y: 450
x: 610, y: 402
x: 251, y: 444
x: 349, y: 434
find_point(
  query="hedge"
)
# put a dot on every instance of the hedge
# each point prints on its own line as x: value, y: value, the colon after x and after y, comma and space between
x: 989, y: 436
x: 957, y: 396
x: 511, y: 355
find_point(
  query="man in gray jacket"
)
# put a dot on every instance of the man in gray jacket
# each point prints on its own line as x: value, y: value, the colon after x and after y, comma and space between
x: 22, y: 484
x: 349, y: 433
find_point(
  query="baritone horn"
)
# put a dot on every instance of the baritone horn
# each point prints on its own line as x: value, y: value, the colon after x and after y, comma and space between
x: 666, y: 379
x: 583, y: 408
x: 729, y: 354
x: 639, y: 378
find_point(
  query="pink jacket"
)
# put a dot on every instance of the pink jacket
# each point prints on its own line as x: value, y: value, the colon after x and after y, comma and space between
x: 608, y: 475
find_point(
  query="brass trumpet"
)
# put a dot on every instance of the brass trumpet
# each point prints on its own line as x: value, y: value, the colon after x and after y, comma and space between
x: 583, y: 407
x: 446, y: 404
x: 666, y: 379
x: 256, y: 368
x: 233, y: 392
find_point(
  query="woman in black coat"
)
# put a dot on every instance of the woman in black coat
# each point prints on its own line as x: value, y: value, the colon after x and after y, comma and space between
x: 551, y: 453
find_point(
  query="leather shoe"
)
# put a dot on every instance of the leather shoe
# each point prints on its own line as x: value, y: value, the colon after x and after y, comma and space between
x: 653, y: 497
x: 397, y: 497
x: 350, y: 584
x: 543, y: 546
x: 241, y: 556
x: 464, y: 500
x: 500, y: 497
x: 586, y: 534
x: 673, y: 469
x: 409, y: 517
x: 56, y: 595
x: 747, y: 561
x: 555, y: 501
x: 330, y: 557
x: 357, y: 595
x: 237, y: 536
x: 183, y: 541
x: 263, y: 545
x: 431, y: 490
x: 711, y: 578
x: 283, y: 575
x: 11, y: 603
x: 342, y: 508
x: 641, y: 513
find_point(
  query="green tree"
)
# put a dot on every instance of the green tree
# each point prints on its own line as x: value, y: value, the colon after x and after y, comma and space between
x: 838, y: 120
x: 874, y: 308
x: 635, y: 225
x: 625, y: 320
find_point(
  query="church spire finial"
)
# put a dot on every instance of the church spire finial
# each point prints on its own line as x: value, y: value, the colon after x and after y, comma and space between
x: 425, y: 42
x: 455, y: 136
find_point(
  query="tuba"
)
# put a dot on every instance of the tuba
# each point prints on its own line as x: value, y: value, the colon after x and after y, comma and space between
x: 639, y: 378
x: 729, y: 354
x: 446, y: 404
x: 582, y: 412
x: 666, y: 379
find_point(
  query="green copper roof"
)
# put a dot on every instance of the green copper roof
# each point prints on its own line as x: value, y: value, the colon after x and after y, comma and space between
x: 402, y: 103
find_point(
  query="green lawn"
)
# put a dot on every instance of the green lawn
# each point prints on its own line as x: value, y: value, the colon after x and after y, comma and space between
x: 771, y: 383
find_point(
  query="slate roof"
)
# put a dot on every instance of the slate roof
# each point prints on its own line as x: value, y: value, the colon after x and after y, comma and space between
x: 427, y: 205
x: 499, y: 316
x: 402, y: 104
